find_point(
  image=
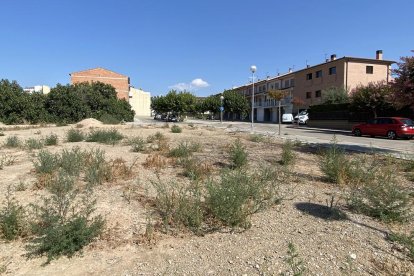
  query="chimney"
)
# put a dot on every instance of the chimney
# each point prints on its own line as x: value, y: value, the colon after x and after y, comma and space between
x: 333, y: 57
x: 307, y: 66
x: 379, y: 55
x: 290, y: 70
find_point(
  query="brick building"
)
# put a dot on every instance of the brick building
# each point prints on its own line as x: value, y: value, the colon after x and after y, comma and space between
x: 120, y: 82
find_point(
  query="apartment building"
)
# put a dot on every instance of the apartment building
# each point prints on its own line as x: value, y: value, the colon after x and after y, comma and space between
x: 41, y: 89
x: 308, y: 84
x: 139, y: 100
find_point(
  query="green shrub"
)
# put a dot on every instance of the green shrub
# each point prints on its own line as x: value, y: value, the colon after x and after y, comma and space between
x: 178, y: 205
x: 295, y: 263
x: 97, y: 169
x: 258, y: 138
x: 12, y: 142
x: 13, y: 222
x: 110, y: 137
x: 74, y: 135
x: 194, y: 169
x: 176, y: 129
x: 238, y: 194
x: 51, y: 140
x: 155, y: 137
x: 46, y: 162
x: 6, y: 160
x: 137, y: 144
x: 109, y: 119
x: 72, y: 161
x: 32, y: 144
x: 238, y: 154
x: 333, y: 163
x: 63, y: 224
x: 288, y: 154
x: 381, y: 197
x: 182, y: 150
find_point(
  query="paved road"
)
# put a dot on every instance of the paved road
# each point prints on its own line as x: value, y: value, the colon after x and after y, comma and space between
x: 316, y: 136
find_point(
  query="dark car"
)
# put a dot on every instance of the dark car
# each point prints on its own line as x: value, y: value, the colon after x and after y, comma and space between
x: 172, y: 118
x: 390, y: 127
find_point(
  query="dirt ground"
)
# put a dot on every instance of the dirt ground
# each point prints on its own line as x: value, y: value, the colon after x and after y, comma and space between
x: 353, y: 246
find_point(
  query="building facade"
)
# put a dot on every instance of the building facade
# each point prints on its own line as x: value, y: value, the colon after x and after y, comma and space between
x: 139, y: 100
x: 42, y: 89
x: 308, y: 84
x: 121, y: 83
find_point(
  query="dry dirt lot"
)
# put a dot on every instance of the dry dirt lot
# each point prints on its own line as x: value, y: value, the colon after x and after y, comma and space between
x: 353, y: 246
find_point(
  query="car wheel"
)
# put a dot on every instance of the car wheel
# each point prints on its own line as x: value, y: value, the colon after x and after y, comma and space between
x: 357, y: 132
x: 391, y: 135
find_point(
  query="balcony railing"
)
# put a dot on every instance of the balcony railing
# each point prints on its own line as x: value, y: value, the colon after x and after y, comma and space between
x: 274, y: 103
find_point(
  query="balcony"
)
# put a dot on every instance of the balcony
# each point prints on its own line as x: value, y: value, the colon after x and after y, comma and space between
x: 273, y: 103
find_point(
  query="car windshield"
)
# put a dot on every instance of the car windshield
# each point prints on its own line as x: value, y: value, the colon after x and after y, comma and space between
x: 407, y: 122
x: 304, y: 112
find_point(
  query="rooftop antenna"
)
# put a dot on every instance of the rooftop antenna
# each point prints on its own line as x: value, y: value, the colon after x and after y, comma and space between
x: 306, y: 62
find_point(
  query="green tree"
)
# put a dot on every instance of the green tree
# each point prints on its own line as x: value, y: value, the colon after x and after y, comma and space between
x: 335, y: 95
x: 403, y: 85
x: 235, y: 103
x: 64, y: 104
x: 11, y: 102
x: 374, y: 96
x: 211, y: 103
x: 175, y: 102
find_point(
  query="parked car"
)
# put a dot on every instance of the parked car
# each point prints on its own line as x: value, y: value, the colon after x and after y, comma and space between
x: 157, y: 116
x: 390, y: 127
x: 287, y: 118
x: 172, y: 118
x: 302, y: 117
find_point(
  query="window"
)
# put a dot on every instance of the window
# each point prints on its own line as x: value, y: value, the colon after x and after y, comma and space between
x: 308, y: 95
x: 264, y: 87
x: 309, y: 76
x: 271, y: 87
x: 332, y: 71
x: 318, y: 74
x: 318, y: 94
x: 286, y: 83
x: 370, y: 70
x: 276, y: 85
x: 292, y: 82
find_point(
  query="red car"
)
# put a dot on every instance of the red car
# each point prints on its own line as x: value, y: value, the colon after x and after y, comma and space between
x: 391, y: 127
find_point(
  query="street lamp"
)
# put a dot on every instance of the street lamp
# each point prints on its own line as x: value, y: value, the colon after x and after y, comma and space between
x: 221, y: 108
x: 253, y: 70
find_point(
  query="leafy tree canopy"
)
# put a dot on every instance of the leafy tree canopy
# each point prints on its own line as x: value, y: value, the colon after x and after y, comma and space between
x: 374, y: 97
x: 335, y: 95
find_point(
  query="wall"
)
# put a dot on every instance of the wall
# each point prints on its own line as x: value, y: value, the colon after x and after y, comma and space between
x: 140, y: 102
x: 357, y: 74
x: 118, y: 81
x: 302, y: 85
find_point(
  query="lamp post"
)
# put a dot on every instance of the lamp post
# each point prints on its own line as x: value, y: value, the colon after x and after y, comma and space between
x: 221, y: 108
x: 253, y: 70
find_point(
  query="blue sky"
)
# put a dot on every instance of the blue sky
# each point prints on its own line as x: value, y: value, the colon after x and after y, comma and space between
x: 204, y: 46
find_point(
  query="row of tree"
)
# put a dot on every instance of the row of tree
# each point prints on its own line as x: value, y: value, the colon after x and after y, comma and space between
x: 64, y: 104
x: 376, y: 97
x: 186, y: 103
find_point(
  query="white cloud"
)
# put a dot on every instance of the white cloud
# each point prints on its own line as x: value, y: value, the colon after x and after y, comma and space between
x: 199, y: 83
x: 193, y: 85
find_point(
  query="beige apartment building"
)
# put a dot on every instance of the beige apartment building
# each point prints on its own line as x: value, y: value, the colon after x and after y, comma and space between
x: 309, y: 83
x: 139, y: 100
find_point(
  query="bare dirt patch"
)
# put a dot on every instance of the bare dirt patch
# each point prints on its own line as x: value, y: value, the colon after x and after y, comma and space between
x: 356, y: 245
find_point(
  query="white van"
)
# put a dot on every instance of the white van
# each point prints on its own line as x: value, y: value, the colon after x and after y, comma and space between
x: 287, y: 118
